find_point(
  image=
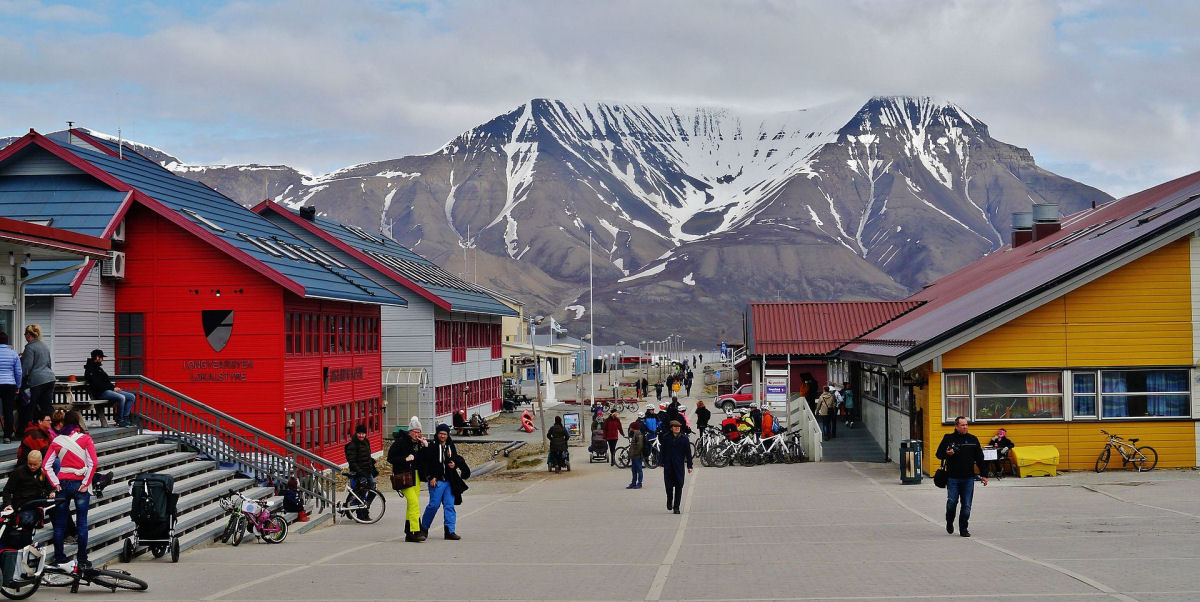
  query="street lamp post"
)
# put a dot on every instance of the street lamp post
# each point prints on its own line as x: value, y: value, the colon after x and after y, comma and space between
x: 537, y: 372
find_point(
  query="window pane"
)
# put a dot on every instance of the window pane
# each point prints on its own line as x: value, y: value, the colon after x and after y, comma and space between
x: 1122, y: 406
x: 958, y: 384
x: 1085, y: 405
x: 1084, y: 382
x: 957, y: 406
x: 1016, y: 383
x: 123, y: 346
x: 1006, y: 408
x: 135, y: 346
x: 1145, y: 381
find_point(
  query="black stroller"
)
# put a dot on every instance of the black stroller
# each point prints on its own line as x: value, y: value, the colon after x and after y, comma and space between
x: 154, y: 513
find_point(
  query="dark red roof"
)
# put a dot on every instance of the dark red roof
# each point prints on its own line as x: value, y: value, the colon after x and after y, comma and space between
x: 1010, y: 276
x: 817, y: 328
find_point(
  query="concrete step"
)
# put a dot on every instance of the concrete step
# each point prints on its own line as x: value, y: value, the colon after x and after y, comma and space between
x: 111, y: 453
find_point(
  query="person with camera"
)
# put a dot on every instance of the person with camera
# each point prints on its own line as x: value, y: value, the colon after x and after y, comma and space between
x: 961, y: 453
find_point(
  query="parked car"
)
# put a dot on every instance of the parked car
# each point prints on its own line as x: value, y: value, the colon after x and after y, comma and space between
x: 740, y: 398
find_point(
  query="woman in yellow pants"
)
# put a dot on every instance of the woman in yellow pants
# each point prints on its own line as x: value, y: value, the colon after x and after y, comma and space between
x: 402, y: 455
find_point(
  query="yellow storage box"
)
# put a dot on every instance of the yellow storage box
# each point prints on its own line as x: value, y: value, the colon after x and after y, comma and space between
x: 1035, y: 460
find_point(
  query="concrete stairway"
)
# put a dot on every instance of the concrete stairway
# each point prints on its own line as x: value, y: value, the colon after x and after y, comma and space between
x: 200, y: 482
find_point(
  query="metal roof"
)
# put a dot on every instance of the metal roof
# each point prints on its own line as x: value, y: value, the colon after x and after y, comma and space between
x: 816, y: 328
x: 1009, y: 282
x: 221, y: 217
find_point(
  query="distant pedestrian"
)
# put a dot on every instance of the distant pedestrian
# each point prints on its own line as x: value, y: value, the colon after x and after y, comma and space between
x: 650, y: 424
x: 636, y: 441
x: 403, y: 455
x: 557, y: 436
x: 703, y: 415
x: 848, y: 401
x: 612, y: 432
x: 39, y: 376
x: 701, y: 359
x: 825, y: 406
x: 645, y: 388
x: 658, y: 388
x: 438, y: 462
x: 10, y: 384
x: 687, y: 382
x: 962, y: 453
x: 676, y: 455
x: 100, y: 386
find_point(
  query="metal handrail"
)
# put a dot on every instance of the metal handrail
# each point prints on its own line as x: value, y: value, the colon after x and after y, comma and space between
x: 229, y: 440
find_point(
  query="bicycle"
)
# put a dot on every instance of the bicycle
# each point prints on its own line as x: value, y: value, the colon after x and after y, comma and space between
x: 1143, y: 458
x: 113, y: 579
x: 250, y: 515
x: 363, y: 504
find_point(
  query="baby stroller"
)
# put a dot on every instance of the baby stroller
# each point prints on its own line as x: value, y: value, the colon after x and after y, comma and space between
x: 599, y: 447
x: 154, y: 512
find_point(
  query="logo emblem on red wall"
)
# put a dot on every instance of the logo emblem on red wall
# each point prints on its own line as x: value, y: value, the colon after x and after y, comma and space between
x: 218, y: 326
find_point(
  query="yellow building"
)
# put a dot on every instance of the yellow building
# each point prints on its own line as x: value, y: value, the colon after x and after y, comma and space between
x: 1080, y: 325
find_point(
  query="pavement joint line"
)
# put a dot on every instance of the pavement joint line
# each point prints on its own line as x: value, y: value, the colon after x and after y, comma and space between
x: 1123, y: 500
x: 1065, y: 571
x: 664, y: 569
x: 326, y: 559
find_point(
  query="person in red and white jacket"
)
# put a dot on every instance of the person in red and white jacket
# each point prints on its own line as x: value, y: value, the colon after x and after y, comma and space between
x: 76, y: 454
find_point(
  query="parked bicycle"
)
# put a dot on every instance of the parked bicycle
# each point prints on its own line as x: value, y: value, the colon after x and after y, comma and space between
x: 248, y: 515
x: 363, y: 503
x: 1142, y: 458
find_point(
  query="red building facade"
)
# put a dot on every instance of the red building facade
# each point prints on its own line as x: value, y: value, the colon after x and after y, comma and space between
x: 199, y: 321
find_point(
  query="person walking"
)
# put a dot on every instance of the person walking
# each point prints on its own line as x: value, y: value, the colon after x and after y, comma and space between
x: 825, y: 405
x: 437, y: 462
x: 676, y: 455
x: 10, y: 389
x: 101, y: 387
x: 848, y: 400
x: 39, y: 376
x: 403, y: 455
x: 645, y: 387
x: 557, y: 435
x: 76, y: 456
x: 962, y: 453
x: 612, y: 432
x: 637, y: 440
x: 658, y: 387
x: 687, y: 383
x: 703, y: 415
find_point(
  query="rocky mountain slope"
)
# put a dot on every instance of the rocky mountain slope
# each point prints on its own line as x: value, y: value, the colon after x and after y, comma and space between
x: 693, y: 211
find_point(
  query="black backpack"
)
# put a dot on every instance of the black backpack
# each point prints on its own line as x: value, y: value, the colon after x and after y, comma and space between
x: 152, y: 496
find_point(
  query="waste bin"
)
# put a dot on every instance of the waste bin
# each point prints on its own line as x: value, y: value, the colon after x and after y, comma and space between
x: 910, y: 461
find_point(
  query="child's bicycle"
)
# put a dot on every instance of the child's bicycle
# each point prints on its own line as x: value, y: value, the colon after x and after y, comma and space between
x: 363, y: 503
x: 1143, y: 458
x: 250, y: 515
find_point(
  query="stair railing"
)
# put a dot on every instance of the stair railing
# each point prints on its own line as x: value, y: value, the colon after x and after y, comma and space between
x: 231, y: 442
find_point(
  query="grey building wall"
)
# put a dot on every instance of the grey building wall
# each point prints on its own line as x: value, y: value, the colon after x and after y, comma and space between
x: 73, y: 326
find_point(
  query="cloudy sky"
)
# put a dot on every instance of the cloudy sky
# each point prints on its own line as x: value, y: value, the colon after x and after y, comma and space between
x: 1103, y: 92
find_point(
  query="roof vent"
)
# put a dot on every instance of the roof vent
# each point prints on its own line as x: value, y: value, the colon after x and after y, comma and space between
x: 1022, y: 228
x: 1045, y: 220
x: 309, y: 213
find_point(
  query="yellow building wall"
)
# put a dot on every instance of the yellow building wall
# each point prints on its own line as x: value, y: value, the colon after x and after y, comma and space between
x: 1137, y: 315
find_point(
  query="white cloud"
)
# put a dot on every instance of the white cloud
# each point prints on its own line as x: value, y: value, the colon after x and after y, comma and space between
x: 1101, y: 91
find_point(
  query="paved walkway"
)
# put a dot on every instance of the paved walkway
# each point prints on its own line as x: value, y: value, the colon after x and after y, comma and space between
x: 830, y: 530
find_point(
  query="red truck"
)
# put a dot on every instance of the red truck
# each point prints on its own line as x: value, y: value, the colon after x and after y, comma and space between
x: 741, y: 398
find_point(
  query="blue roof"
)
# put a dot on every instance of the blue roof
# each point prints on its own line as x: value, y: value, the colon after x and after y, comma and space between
x: 461, y: 295
x: 77, y: 203
x: 199, y: 203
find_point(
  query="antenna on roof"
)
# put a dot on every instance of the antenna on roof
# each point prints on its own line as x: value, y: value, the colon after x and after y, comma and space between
x: 70, y: 124
x: 120, y: 146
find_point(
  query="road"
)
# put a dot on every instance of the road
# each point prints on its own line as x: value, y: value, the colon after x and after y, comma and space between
x: 833, y: 530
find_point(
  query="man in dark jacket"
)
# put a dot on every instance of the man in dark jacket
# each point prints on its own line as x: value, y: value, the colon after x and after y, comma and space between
x: 676, y: 454
x: 645, y: 388
x: 962, y: 453
x: 703, y: 415
x: 558, y: 437
x: 437, y: 463
x: 100, y: 386
x: 360, y: 463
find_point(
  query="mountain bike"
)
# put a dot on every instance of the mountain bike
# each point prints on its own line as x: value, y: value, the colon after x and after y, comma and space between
x: 363, y: 503
x: 1143, y: 458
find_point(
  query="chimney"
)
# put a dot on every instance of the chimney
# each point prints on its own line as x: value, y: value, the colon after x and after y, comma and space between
x: 1045, y: 220
x: 308, y: 212
x: 1022, y: 228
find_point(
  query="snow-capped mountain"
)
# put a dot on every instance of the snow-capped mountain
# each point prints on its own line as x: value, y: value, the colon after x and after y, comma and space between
x: 693, y: 211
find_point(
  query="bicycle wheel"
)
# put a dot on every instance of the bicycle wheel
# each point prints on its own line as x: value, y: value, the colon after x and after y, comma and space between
x: 276, y: 529
x: 372, y: 510
x: 239, y: 531
x: 19, y: 590
x: 1145, y: 458
x: 57, y: 578
x: 718, y: 457
x: 228, y: 532
x: 1102, y: 461
x: 651, y: 460
x: 623, y: 457
x: 116, y: 579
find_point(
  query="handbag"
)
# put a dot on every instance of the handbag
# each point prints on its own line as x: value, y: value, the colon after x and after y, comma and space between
x: 941, y: 478
x: 404, y: 480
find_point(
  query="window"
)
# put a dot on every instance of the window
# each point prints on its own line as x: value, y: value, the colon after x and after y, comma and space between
x: 1018, y: 395
x: 131, y: 350
x: 958, y: 395
x: 1144, y: 393
x: 1083, y: 394
x: 289, y: 333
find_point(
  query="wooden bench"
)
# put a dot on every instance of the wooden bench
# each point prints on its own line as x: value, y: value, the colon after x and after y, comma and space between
x: 75, y: 396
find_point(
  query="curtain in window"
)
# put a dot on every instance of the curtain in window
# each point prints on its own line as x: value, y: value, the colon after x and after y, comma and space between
x: 1115, y: 405
x: 1043, y: 382
x: 1166, y: 381
x: 1084, y: 391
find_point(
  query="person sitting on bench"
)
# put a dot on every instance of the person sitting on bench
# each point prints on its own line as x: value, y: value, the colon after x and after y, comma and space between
x: 101, y: 387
